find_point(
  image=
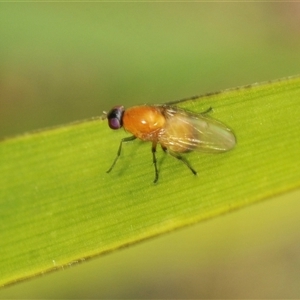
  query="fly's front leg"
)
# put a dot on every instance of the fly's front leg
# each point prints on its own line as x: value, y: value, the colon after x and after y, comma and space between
x: 127, y: 139
x: 154, y: 161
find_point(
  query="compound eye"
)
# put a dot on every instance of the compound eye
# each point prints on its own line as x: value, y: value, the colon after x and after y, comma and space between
x: 115, y: 117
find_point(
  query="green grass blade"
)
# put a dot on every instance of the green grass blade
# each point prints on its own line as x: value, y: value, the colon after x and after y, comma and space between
x: 58, y: 205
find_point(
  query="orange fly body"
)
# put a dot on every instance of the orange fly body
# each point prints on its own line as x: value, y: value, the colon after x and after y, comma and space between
x: 175, y: 129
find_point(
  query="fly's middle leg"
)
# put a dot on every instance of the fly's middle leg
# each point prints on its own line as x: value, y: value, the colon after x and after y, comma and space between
x: 153, y: 149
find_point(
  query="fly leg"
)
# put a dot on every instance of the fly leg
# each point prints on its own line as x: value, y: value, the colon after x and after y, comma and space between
x: 124, y: 140
x: 207, y: 111
x: 181, y: 158
x: 153, y: 149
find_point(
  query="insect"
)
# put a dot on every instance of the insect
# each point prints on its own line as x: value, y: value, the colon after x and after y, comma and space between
x: 175, y: 129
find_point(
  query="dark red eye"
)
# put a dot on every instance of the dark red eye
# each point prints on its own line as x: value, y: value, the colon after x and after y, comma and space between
x: 115, y: 117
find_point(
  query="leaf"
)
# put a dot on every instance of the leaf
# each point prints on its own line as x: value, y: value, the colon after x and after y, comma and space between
x: 59, y: 206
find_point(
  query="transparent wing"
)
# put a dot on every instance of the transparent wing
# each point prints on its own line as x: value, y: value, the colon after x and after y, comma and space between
x: 185, y: 131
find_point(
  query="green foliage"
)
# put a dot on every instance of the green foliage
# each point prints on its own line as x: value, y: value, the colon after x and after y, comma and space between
x: 58, y: 205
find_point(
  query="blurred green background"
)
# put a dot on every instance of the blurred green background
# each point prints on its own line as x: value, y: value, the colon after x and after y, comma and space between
x: 62, y: 62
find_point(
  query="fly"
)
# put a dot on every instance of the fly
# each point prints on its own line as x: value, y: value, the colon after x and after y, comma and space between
x: 176, y: 130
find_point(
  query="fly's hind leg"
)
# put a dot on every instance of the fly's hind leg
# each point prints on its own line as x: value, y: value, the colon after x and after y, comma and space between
x: 181, y: 158
x: 207, y: 111
x: 153, y: 149
x: 124, y: 140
